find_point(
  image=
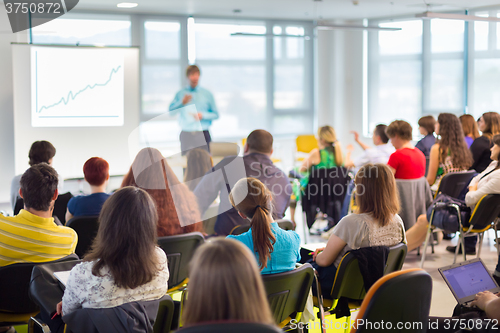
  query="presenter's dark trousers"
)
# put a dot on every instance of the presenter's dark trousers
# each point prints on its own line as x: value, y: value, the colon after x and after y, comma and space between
x: 191, y: 140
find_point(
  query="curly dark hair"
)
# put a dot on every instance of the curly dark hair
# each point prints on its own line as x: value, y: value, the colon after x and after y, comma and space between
x: 452, y: 141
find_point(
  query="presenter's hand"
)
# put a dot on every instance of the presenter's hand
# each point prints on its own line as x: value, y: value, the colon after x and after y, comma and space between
x: 197, y: 116
x: 187, y: 98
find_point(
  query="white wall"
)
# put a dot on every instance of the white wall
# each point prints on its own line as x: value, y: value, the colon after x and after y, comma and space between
x: 7, y: 104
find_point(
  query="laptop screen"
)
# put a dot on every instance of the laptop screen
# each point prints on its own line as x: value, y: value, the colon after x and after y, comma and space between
x: 469, y: 279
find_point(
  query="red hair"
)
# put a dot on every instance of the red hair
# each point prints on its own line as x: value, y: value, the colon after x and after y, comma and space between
x: 151, y: 172
x: 96, y: 171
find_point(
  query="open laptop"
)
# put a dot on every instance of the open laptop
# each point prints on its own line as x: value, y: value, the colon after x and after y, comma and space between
x: 467, y: 278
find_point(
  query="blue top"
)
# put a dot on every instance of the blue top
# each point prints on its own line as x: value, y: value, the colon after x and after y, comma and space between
x: 202, y: 102
x: 426, y: 143
x: 469, y: 141
x: 87, y: 205
x: 286, y: 250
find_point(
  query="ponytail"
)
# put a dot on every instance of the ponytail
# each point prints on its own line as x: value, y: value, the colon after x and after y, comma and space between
x: 252, y: 198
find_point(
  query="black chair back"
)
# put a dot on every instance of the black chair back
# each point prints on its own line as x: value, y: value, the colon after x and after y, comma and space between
x: 486, y: 211
x: 165, y: 316
x: 238, y: 230
x: 325, y: 192
x: 179, y: 250
x: 60, y: 206
x: 86, y: 228
x: 396, y: 258
x: 393, y: 302
x: 348, y: 282
x: 14, y: 286
x: 230, y: 327
x: 287, y: 292
x: 454, y: 183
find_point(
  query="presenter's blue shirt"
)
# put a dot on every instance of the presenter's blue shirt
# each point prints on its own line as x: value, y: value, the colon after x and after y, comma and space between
x: 87, y: 205
x: 202, y: 102
x: 286, y: 250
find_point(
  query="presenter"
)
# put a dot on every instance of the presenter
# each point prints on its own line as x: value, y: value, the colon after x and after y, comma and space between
x: 196, y: 108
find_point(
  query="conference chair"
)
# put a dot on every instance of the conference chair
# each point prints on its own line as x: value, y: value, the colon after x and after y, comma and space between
x: 16, y: 307
x: 454, y: 185
x: 396, y: 258
x: 287, y: 293
x: 165, y: 316
x: 60, y: 206
x: 86, y: 228
x: 230, y: 327
x: 283, y: 224
x: 179, y: 250
x: 304, y: 143
x: 391, y: 302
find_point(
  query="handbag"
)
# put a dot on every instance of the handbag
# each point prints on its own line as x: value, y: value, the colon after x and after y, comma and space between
x: 445, y: 216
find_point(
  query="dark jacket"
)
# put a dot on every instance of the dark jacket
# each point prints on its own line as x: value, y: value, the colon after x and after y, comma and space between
x: 481, y: 153
x: 224, y: 176
x: 426, y: 144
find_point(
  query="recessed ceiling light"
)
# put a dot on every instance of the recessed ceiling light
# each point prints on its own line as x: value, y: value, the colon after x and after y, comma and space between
x: 127, y: 5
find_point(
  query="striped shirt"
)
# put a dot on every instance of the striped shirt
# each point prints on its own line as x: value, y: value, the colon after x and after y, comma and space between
x: 30, y: 238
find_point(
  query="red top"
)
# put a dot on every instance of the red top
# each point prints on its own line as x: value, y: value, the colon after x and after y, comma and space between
x: 409, y: 163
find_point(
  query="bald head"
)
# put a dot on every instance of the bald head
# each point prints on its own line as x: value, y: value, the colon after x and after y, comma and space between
x: 260, y: 141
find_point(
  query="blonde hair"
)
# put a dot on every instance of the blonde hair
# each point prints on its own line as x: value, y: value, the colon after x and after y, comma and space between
x: 252, y: 198
x: 376, y: 192
x: 327, y: 134
x: 225, y: 284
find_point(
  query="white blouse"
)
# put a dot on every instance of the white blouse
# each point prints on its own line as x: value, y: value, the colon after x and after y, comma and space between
x: 85, y: 290
x: 487, y: 185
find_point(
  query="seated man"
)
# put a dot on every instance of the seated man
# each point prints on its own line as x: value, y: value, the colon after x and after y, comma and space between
x: 32, y: 235
x: 96, y: 173
x: 257, y: 163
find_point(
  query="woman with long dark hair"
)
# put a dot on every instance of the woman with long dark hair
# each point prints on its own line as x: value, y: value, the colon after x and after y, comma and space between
x: 176, y: 205
x: 276, y: 250
x: 489, y: 125
x: 450, y: 153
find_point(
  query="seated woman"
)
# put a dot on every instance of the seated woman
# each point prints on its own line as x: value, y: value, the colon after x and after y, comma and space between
x: 199, y: 162
x: 224, y: 275
x: 406, y: 162
x: 176, y: 205
x: 124, y: 265
x: 376, y: 222
x: 328, y: 155
x: 96, y: 173
x: 275, y: 249
x: 489, y: 125
x: 488, y: 182
x: 426, y: 128
x: 450, y: 153
x: 469, y: 126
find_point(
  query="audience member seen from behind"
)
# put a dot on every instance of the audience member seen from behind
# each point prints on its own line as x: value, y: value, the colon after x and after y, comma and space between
x: 487, y: 182
x: 124, y: 265
x: 225, y: 276
x: 426, y: 128
x: 489, y: 125
x: 96, y: 173
x: 375, y: 223
x: 276, y: 250
x: 257, y: 164
x: 32, y: 235
x: 199, y: 162
x: 176, y: 205
x: 40, y: 152
x: 469, y: 126
x: 450, y: 153
x: 328, y: 155
x: 406, y: 162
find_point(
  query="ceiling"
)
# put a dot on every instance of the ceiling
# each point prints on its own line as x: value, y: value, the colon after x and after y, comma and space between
x: 288, y: 9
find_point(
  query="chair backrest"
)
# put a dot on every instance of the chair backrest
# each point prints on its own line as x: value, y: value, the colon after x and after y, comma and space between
x: 396, y: 258
x: 287, y: 292
x: 230, y: 327
x: 239, y: 229
x: 86, y: 228
x: 223, y: 149
x: 60, y: 206
x: 285, y: 224
x: 305, y: 143
x: 14, y: 286
x: 391, y: 301
x: 485, y: 212
x: 453, y: 183
x: 348, y: 279
x: 165, y: 316
x: 179, y: 250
